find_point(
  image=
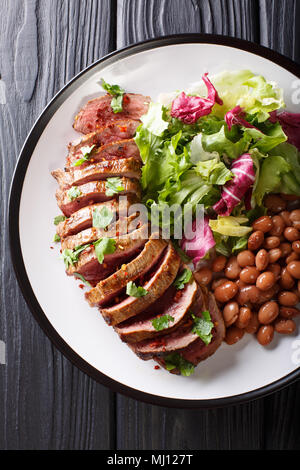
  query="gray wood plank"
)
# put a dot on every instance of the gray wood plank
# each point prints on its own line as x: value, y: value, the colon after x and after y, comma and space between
x: 238, y: 427
x: 45, y: 402
x: 279, y: 26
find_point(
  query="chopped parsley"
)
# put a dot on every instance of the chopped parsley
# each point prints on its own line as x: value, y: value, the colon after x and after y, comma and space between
x: 59, y: 218
x: 86, y: 152
x: 104, y: 246
x: 182, y: 279
x: 74, y: 193
x: 117, y: 93
x: 83, y: 279
x: 203, y: 327
x: 102, y: 218
x: 70, y: 257
x: 176, y: 361
x: 162, y: 322
x: 56, y: 238
x: 113, y: 186
x: 134, y: 291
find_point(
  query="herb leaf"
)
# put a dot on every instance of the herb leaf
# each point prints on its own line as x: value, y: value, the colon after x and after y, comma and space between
x: 162, y: 322
x: 203, y: 327
x: 134, y: 291
x: 176, y: 361
x: 83, y: 279
x: 70, y: 257
x: 86, y: 152
x: 113, y: 186
x: 117, y: 92
x: 74, y: 193
x: 104, y: 246
x: 59, y: 218
x: 56, y: 238
x: 183, y: 279
x: 102, y: 218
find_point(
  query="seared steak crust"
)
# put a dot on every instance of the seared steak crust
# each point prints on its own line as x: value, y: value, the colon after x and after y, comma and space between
x: 98, y: 112
x: 156, y: 286
x: 108, y: 288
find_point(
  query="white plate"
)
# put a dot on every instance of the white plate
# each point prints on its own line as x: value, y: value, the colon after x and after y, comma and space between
x: 235, y: 373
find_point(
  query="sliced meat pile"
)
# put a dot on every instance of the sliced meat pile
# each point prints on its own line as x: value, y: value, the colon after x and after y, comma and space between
x: 131, y: 273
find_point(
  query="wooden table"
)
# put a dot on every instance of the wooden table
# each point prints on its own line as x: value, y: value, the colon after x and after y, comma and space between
x: 45, y: 402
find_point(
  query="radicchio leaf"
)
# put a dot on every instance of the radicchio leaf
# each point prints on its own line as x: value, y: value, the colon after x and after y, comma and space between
x: 197, y: 247
x: 190, y: 108
x: 235, y: 190
x: 290, y: 123
x: 236, y: 116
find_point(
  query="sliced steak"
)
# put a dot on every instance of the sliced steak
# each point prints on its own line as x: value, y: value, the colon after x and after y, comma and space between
x: 90, y: 235
x: 126, y: 248
x: 180, y: 339
x: 98, y: 112
x: 156, y: 286
x: 171, y: 304
x: 83, y: 218
x: 198, y: 351
x: 91, y: 193
x: 110, y: 287
x: 124, y: 167
x: 112, y: 132
x: 113, y: 151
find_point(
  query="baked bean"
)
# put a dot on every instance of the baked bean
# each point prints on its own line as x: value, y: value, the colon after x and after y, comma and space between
x: 275, y: 269
x: 286, y: 249
x: 278, y: 226
x: 268, y: 312
x: 265, y: 296
x: 285, y: 327
x: 218, y: 282
x: 265, y: 335
x: 232, y: 269
x: 230, y: 313
x: 287, y: 299
x: 293, y: 205
x: 295, y: 216
x: 249, y: 275
x: 253, y: 324
x: 298, y: 286
x: 246, y: 258
x: 219, y: 264
x: 262, y: 260
x: 255, y: 240
x: 289, y: 312
x: 274, y: 203
x: 286, y: 280
x: 296, y: 246
x: 265, y: 280
x: 293, y: 268
x: 233, y: 335
x: 274, y: 255
x: 226, y: 291
x: 240, y: 284
x: 243, y: 318
x: 248, y: 294
x: 264, y: 224
x: 203, y: 276
x: 292, y: 257
x: 271, y: 242
x: 285, y: 215
x: 291, y: 234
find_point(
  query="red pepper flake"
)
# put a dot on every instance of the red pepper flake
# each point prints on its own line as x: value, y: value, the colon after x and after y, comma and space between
x: 117, y: 234
x: 123, y: 128
x: 156, y: 367
x: 126, y: 274
x: 81, y: 286
x: 51, y: 247
x: 177, y: 296
x: 126, y: 99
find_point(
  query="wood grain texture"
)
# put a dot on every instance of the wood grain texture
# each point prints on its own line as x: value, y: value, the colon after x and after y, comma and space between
x: 45, y: 402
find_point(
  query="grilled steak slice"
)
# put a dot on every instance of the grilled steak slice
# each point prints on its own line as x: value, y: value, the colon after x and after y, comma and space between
x: 126, y: 167
x: 112, y: 132
x: 113, y: 151
x: 98, y: 112
x: 90, y: 235
x: 141, y: 326
x: 110, y: 287
x: 156, y: 286
x: 91, y: 193
x: 83, y: 218
x: 180, y: 339
x: 198, y: 351
x: 127, y: 246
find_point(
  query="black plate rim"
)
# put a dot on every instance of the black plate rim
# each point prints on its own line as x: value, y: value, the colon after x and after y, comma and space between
x: 14, y: 235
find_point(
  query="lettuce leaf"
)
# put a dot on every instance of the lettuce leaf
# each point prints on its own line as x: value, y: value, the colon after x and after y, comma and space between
x: 153, y: 120
x: 272, y: 171
x: 214, y: 171
x: 219, y: 142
